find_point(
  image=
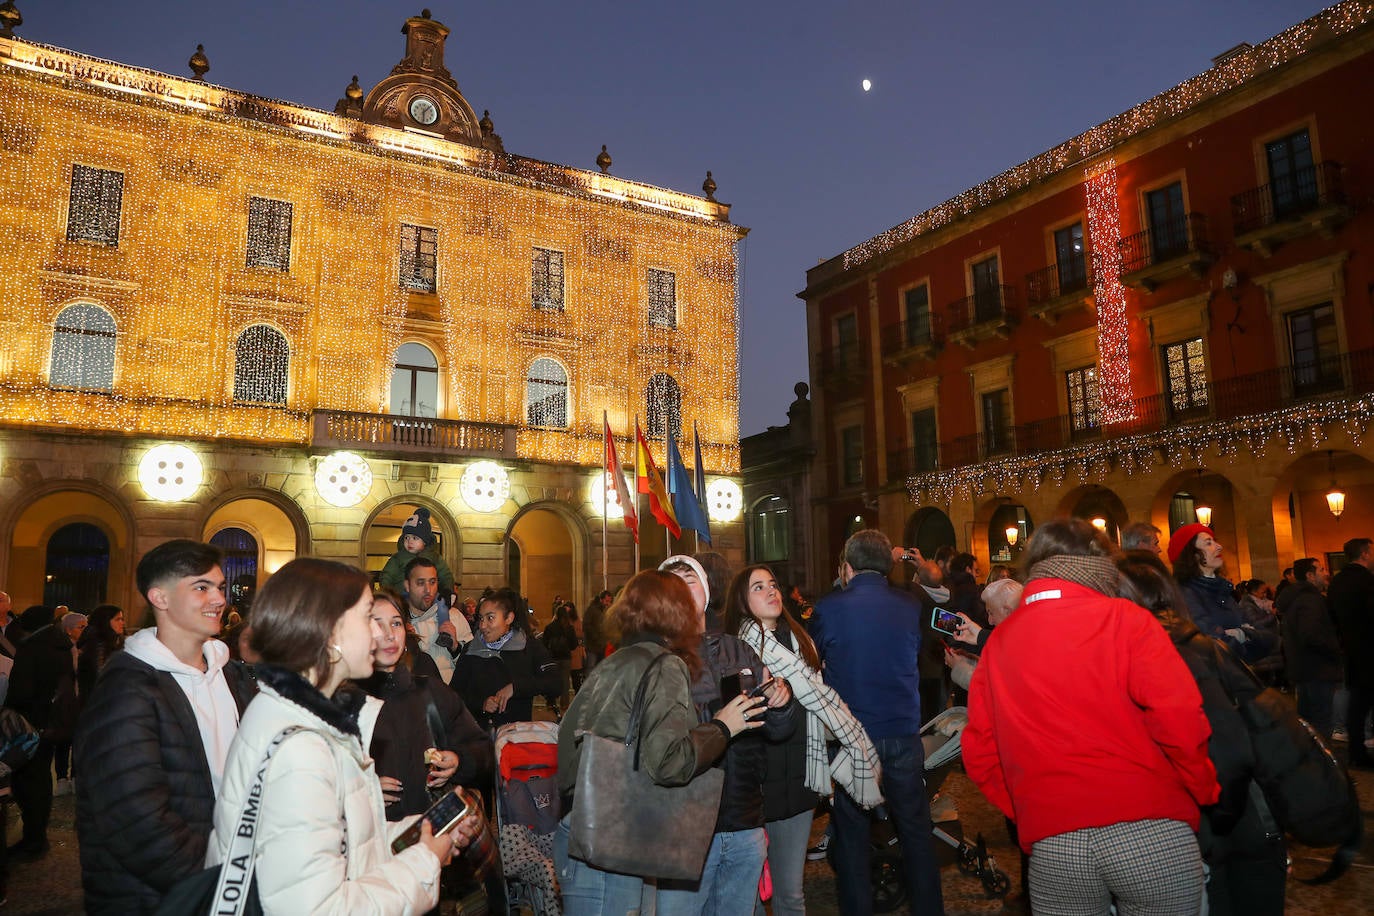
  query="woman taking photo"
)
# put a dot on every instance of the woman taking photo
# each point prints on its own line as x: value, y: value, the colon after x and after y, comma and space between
x: 655, y: 615
x: 499, y: 673
x: 419, y: 713
x: 322, y: 843
x: 799, y: 771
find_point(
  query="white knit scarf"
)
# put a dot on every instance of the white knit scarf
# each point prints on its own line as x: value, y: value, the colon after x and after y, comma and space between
x: 855, y: 767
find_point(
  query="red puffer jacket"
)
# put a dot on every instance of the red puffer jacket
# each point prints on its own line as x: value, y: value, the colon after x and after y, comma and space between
x: 1082, y: 714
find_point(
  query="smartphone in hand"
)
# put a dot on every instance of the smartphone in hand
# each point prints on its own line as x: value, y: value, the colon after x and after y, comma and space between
x: 443, y: 816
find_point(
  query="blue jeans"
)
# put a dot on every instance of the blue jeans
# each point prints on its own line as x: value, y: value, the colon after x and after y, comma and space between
x: 729, y: 881
x: 787, y: 842
x: 904, y: 789
x: 589, y: 891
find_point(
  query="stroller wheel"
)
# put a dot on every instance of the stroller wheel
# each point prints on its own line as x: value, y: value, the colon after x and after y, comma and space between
x: 889, y: 891
x: 996, y: 883
x: 968, y: 860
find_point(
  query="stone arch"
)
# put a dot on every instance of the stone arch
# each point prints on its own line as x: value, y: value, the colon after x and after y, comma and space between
x: 548, y: 559
x: 1234, y: 528
x: 927, y: 529
x: 1311, y: 530
x: 29, y: 523
x: 374, y: 548
x: 1093, y: 500
x: 988, y: 544
x: 278, y: 524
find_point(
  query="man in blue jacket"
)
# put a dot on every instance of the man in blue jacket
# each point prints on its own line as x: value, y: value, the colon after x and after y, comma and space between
x: 869, y: 639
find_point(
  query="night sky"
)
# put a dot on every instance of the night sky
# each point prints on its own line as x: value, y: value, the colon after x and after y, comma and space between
x: 765, y: 93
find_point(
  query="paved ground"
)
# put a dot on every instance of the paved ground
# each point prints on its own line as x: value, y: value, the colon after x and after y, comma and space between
x: 53, y: 886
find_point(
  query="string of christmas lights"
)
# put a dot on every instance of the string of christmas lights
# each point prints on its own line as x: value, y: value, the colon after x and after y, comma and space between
x: 1109, y: 293
x: 1282, y: 49
x: 1174, y: 447
x: 179, y: 290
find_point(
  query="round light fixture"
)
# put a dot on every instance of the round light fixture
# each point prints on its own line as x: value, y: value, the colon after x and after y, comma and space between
x: 485, y: 486
x: 343, y: 479
x: 170, y: 473
x: 603, y: 493
x: 724, y: 500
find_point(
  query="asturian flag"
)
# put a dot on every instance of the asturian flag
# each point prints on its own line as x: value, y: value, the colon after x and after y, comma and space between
x: 685, y: 502
x: 700, y: 473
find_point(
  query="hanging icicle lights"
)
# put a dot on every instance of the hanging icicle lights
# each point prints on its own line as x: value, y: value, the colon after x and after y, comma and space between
x: 1283, y: 48
x: 165, y: 179
x: 1113, y: 341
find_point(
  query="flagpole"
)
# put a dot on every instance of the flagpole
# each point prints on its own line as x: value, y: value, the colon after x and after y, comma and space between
x: 635, y: 495
x: 605, y: 506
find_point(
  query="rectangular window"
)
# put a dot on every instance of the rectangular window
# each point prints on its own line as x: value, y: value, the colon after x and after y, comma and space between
x: 1314, y: 350
x: 662, y: 298
x: 846, y: 342
x: 987, y: 290
x: 1168, y: 222
x: 1185, y: 376
x: 93, y: 207
x: 1069, y: 259
x: 996, y: 422
x: 269, y: 233
x: 1292, y: 177
x: 419, y: 258
x: 852, y: 455
x: 925, y: 449
x: 546, y: 279
x: 1085, y: 403
x: 916, y: 302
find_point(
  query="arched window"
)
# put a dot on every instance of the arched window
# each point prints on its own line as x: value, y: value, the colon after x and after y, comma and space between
x: 415, y: 382
x: 77, y: 567
x: 261, y: 360
x: 663, y: 405
x: 240, y: 563
x: 770, y: 530
x: 83, y: 348
x: 546, y: 394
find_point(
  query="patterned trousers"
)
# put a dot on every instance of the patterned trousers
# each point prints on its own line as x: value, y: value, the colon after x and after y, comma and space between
x: 1147, y: 868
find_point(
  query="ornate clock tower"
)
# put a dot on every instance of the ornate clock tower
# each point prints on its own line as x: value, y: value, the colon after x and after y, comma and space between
x: 421, y: 94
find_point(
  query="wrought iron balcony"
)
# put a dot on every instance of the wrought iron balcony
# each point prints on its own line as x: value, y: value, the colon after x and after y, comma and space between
x: 383, y: 432
x: 1346, y: 374
x: 1167, y: 249
x: 1311, y: 199
x: 1053, y: 291
x: 912, y: 339
x: 904, y: 462
x: 990, y: 312
x: 843, y: 366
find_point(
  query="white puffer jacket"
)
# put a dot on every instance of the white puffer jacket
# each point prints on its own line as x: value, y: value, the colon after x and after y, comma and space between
x: 314, y: 856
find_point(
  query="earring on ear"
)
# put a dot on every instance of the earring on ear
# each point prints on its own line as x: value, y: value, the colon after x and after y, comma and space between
x: 335, y: 654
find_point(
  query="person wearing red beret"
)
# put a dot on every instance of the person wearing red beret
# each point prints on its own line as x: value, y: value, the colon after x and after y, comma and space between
x: 1197, y: 558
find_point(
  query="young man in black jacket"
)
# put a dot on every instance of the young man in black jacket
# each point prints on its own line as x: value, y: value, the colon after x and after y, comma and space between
x: 153, y: 738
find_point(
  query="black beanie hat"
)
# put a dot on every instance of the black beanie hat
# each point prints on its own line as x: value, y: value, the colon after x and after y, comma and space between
x: 418, y: 525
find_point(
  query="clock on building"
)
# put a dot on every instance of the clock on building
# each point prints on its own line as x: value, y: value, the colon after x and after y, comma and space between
x: 423, y: 110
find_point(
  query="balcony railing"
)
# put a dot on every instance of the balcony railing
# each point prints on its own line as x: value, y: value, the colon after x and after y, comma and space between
x: 1289, y: 197
x: 411, y: 435
x: 1165, y: 241
x: 903, y: 462
x: 843, y: 364
x: 928, y: 334
x: 1348, y: 374
x: 993, y: 304
x: 1070, y: 277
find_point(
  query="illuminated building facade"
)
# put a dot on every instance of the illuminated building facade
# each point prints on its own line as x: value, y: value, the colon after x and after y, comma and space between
x: 334, y: 317
x: 1165, y: 317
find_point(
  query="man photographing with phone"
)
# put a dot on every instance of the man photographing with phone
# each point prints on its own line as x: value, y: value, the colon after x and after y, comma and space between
x: 869, y: 638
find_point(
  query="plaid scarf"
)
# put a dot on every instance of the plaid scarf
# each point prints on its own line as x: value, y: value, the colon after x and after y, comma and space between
x: 1097, y: 573
x: 855, y: 767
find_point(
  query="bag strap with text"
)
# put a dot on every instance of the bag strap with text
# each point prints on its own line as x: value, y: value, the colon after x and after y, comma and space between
x: 236, y: 872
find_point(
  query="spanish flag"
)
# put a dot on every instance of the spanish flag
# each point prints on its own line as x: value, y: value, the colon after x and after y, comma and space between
x: 648, y: 480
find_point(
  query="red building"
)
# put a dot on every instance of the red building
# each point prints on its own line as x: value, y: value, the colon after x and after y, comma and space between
x: 1165, y: 314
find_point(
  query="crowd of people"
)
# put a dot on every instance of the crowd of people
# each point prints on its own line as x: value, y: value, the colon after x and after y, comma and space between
x: 339, y: 708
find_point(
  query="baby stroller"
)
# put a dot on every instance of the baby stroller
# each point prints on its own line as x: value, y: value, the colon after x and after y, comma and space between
x: 527, y: 813
x: 940, y: 740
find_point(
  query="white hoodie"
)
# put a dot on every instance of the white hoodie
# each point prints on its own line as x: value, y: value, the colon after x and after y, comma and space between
x: 216, y: 713
x: 426, y: 626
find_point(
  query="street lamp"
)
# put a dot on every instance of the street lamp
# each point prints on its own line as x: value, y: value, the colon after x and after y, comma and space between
x: 1100, y: 523
x: 1204, y: 515
x: 1013, y: 534
x: 1335, y: 497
